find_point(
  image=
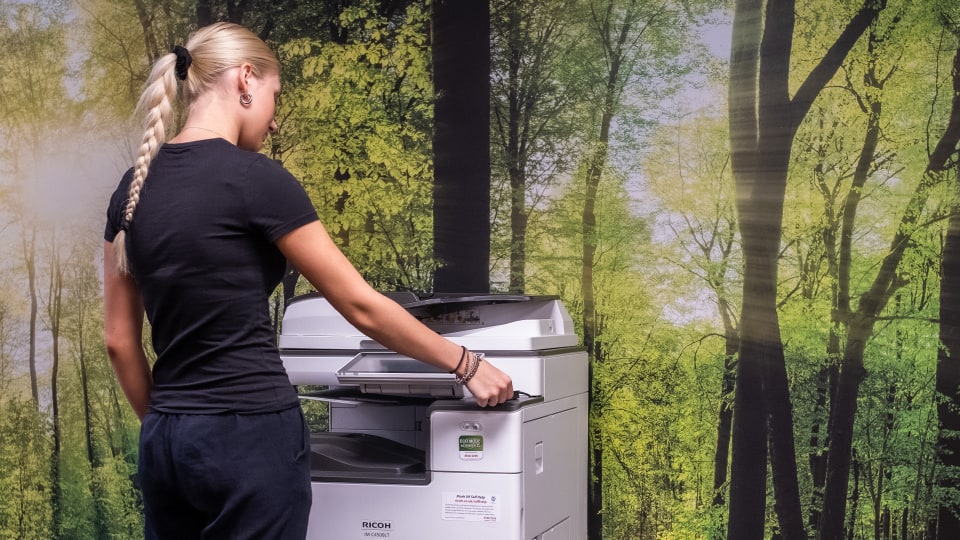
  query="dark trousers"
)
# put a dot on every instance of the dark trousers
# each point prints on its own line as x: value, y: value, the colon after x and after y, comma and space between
x: 225, y: 476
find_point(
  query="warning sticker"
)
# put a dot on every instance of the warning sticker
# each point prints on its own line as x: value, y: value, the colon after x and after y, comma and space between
x: 471, y: 447
x: 471, y: 507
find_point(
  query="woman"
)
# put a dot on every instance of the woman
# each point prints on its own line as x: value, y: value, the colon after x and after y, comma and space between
x: 201, y: 228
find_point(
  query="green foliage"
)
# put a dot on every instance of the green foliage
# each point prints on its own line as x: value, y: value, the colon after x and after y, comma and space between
x: 119, y: 498
x: 536, y: 119
x: 647, y: 423
x: 316, y: 413
x: 123, y: 43
x: 25, y: 509
x: 356, y: 125
x: 896, y: 428
x: 364, y: 141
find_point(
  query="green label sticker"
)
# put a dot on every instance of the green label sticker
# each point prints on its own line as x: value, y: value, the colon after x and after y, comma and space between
x: 471, y: 447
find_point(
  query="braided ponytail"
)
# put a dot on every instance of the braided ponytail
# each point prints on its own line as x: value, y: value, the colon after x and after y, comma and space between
x: 156, y: 101
x: 212, y: 50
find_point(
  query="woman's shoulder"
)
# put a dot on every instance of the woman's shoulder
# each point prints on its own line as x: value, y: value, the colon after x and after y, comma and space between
x: 217, y: 153
x: 265, y: 168
x: 264, y: 162
x: 119, y: 195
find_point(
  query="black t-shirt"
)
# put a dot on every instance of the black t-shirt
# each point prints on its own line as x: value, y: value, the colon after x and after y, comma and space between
x: 201, y: 249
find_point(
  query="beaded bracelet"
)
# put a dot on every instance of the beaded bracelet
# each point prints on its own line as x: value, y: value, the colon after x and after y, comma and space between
x: 472, y: 370
x: 460, y: 378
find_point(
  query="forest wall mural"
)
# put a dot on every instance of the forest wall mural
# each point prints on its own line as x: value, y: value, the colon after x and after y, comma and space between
x: 749, y: 209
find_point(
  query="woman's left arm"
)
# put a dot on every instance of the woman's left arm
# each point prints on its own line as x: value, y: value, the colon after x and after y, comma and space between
x: 123, y: 333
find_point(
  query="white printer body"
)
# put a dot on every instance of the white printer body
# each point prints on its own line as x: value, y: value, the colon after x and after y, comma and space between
x: 410, y: 456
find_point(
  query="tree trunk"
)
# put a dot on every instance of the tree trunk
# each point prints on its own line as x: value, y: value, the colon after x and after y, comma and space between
x: 518, y: 230
x: 204, y: 13
x: 590, y: 334
x: 841, y: 433
x: 761, y: 110
x: 127, y: 447
x: 842, y: 301
x: 721, y: 455
x: 614, y: 40
x: 749, y: 436
x: 818, y: 447
x: 881, y: 512
x: 948, y: 365
x: 761, y: 394
x: 149, y: 35
x: 100, y: 525
x: 854, y: 498
x: 904, y: 520
x: 461, y: 145
x: 826, y: 377
x: 595, y: 500
x: 514, y: 157
x: 529, y: 102
x: 885, y: 524
x: 54, y: 314
x: 840, y: 257
x: 748, y: 470
x: 30, y: 263
x: 948, y: 380
x: 871, y: 304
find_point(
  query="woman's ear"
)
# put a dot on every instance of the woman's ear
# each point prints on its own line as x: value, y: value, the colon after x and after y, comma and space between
x: 243, y: 78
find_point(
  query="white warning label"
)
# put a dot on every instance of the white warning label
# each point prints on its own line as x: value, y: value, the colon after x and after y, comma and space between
x: 471, y: 507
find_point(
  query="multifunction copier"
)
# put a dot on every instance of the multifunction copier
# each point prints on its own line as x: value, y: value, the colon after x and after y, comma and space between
x: 409, y: 455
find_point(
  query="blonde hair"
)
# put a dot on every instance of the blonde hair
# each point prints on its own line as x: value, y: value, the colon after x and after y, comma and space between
x: 213, y: 50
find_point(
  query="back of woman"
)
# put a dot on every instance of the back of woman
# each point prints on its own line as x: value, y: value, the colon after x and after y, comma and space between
x: 201, y: 230
x: 202, y: 252
x: 224, y: 449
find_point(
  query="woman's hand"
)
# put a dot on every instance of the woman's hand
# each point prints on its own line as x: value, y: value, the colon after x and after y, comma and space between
x: 490, y: 386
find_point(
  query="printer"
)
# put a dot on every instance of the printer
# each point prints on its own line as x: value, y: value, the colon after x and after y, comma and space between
x: 409, y: 455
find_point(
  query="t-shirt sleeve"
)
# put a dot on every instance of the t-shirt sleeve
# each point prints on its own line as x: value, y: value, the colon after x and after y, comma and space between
x: 115, y: 209
x: 275, y: 201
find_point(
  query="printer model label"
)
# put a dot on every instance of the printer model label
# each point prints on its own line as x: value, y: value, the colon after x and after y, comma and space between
x: 378, y: 529
x: 471, y: 447
x: 458, y: 506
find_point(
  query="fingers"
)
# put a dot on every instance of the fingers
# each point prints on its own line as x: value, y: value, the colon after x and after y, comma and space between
x: 490, y: 386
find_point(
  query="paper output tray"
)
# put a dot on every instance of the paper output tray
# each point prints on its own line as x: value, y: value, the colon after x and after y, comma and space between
x: 359, y: 457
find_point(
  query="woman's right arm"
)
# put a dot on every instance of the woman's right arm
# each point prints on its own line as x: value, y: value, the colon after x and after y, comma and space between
x: 123, y: 333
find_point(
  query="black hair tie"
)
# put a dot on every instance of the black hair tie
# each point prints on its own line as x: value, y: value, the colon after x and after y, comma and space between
x: 183, y: 62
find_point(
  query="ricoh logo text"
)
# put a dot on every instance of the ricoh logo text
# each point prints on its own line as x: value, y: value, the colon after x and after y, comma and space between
x: 376, y: 529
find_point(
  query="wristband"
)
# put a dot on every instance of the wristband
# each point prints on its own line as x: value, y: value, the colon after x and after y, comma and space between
x: 463, y: 353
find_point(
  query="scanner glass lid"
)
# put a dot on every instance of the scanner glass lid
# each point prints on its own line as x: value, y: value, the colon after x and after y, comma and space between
x: 382, y: 367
